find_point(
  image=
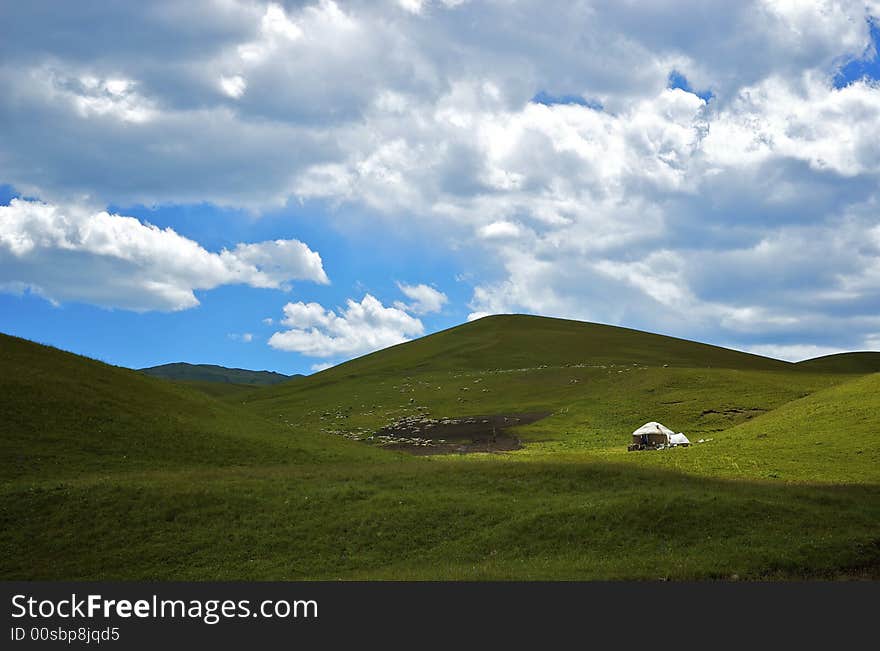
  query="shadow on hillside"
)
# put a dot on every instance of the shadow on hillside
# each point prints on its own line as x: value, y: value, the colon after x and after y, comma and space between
x: 412, y: 516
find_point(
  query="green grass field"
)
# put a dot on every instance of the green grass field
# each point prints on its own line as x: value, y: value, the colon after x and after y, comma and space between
x: 107, y: 473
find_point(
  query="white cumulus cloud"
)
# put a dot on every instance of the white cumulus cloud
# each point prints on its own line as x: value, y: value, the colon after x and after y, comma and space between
x: 75, y: 254
x: 424, y: 299
x: 793, y: 352
x: 626, y: 201
x: 233, y: 86
x: 499, y: 230
x: 356, y: 329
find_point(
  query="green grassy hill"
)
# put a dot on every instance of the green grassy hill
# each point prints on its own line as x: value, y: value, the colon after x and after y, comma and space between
x: 521, y: 341
x: 110, y: 474
x: 598, y: 382
x: 220, y: 390
x: 831, y: 435
x: 181, y: 371
x: 835, y: 428
x: 861, y: 362
x: 64, y: 415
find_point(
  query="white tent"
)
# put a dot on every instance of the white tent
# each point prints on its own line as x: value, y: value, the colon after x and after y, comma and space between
x: 655, y: 433
x: 655, y: 429
x: 679, y: 439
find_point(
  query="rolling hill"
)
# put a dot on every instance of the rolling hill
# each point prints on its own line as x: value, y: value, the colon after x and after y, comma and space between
x: 830, y: 435
x: 108, y: 473
x: 859, y: 362
x: 833, y: 427
x: 519, y: 341
x: 598, y: 383
x: 64, y: 415
x: 181, y: 371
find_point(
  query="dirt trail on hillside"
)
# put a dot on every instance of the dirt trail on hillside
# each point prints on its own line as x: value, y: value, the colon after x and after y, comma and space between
x: 423, y: 436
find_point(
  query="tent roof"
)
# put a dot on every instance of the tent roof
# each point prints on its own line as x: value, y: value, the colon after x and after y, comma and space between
x: 653, y: 428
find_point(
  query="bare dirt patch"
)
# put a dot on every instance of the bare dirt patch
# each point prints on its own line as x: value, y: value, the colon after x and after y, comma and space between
x: 423, y: 436
x: 734, y: 412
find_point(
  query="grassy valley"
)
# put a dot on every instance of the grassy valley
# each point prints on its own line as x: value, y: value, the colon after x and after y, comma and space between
x: 111, y: 474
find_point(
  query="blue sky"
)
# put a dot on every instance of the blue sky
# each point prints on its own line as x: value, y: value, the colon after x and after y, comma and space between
x: 212, y: 332
x: 859, y: 67
x: 362, y: 173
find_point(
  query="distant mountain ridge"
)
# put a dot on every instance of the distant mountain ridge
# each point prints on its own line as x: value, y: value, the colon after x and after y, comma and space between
x: 181, y: 371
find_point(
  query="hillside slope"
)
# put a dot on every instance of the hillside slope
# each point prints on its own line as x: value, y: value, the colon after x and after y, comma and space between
x: 831, y: 433
x: 594, y: 383
x: 64, y: 414
x: 181, y: 371
x: 829, y: 436
x: 514, y: 341
x: 860, y: 362
x: 110, y: 474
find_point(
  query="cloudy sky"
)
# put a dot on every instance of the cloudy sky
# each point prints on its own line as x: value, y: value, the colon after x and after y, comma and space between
x: 286, y: 185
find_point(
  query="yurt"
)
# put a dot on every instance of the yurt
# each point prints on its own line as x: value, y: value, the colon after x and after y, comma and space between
x: 652, y: 435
